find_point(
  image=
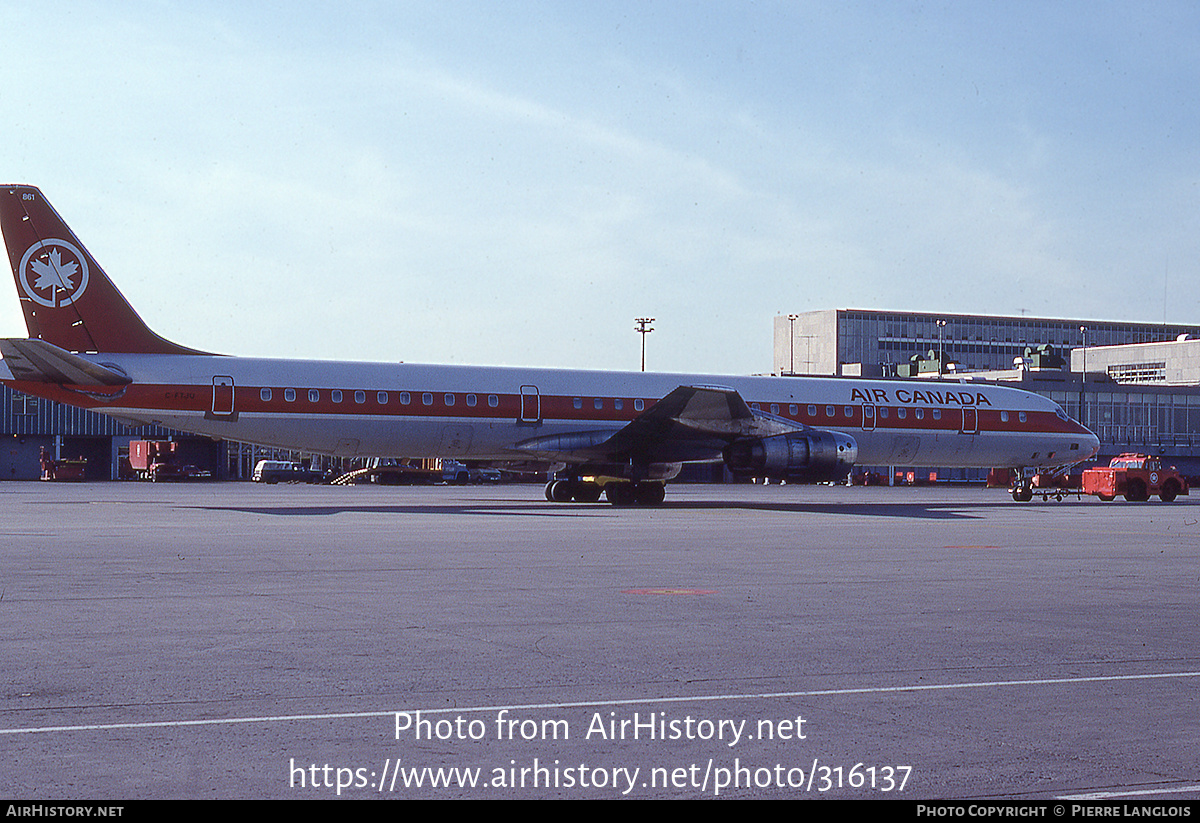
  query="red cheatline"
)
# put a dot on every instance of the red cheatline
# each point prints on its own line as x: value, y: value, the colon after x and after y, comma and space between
x: 669, y: 591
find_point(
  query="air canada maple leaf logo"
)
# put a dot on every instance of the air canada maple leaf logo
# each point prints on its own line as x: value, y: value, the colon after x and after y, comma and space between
x: 54, y: 273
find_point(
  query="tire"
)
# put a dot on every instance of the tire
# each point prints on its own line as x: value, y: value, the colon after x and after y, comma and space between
x: 1135, y: 492
x: 586, y: 492
x: 1169, y: 491
x: 650, y: 494
x: 561, y: 491
x: 619, y: 494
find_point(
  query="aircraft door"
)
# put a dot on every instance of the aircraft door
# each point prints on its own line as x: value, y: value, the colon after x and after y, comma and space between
x: 970, y: 424
x: 531, y: 406
x: 868, y: 420
x: 222, y: 397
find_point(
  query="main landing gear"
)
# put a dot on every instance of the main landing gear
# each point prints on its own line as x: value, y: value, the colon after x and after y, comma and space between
x: 572, y: 491
x: 619, y: 493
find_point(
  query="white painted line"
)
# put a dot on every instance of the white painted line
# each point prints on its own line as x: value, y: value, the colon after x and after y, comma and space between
x: 289, y: 718
x: 1130, y: 793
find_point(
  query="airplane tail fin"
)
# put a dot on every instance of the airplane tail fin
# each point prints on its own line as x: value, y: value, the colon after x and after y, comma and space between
x: 67, y: 298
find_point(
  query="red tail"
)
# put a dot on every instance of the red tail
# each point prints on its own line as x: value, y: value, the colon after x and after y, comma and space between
x: 67, y: 298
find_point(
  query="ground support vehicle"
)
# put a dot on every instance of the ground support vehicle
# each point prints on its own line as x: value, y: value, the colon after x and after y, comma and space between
x: 389, y: 471
x: 1046, y: 485
x: 157, y: 460
x: 285, y: 471
x: 1137, y: 477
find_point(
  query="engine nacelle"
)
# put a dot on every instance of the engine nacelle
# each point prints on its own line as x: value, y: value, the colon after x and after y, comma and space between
x: 809, y: 456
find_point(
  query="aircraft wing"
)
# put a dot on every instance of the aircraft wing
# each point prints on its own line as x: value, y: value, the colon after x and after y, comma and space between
x: 690, y: 423
x: 40, y: 362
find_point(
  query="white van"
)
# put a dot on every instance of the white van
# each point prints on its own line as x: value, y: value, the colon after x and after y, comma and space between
x: 283, y: 471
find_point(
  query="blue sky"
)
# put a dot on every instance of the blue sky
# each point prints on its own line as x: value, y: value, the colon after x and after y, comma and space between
x: 513, y: 183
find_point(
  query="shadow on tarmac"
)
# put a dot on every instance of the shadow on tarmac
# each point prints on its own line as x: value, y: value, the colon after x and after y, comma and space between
x: 907, y: 511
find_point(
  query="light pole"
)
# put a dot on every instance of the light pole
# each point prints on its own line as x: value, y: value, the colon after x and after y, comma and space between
x: 941, y: 324
x: 643, y: 328
x: 792, y: 343
x: 1083, y: 380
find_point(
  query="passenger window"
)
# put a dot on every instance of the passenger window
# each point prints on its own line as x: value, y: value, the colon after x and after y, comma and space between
x: 793, y: 409
x: 1021, y: 417
x: 405, y: 398
x: 449, y: 399
x: 578, y: 402
x: 265, y: 394
x: 774, y: 408
x: 314, y: 396
x: 289, y: 395
x: 937, y: 414
x: 883, y: 412
x: 360, y: 396
x: 381, y: 398
x: 639, y: 404
x: 1003, y: 417
x: 847, y: 411
x: 599, y: 404
x: 618, y: 404
x: 336, y: 395
x: 427, y: 399
x: 829, y: 411
x: 472, y: 400
x: 493, y: 400
x: 812, y: 411
x: 901, y: 413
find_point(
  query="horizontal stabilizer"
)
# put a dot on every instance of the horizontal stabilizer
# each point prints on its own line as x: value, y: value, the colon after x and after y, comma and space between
x: 40, y: 362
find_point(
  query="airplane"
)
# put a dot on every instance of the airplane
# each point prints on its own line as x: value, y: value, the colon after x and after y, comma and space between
x: 623, y: 435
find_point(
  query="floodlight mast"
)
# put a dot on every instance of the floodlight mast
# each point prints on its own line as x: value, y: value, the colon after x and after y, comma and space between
x: 643, y: 328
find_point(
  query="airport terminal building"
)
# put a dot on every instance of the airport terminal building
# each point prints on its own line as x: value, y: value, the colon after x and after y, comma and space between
x: 828, y: 341
x: 1136, y: 385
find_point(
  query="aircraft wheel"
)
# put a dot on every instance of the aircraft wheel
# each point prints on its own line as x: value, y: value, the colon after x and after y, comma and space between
x: 561, y: 491
x: 587, y: 492
x: 650, y: 494
x: 1022, y: 494
x: 549, y: 492
x: 619, y: 494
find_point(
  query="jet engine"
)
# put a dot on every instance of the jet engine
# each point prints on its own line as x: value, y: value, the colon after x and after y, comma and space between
x: 808, y: 456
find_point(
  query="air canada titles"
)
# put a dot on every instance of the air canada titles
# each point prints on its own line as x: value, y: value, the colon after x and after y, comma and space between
x: 927, y: 397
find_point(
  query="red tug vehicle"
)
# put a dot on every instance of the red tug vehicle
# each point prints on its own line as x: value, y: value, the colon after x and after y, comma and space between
x: 1137, y: 477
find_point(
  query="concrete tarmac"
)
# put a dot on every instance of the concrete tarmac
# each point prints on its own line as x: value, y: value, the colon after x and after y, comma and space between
x: 238, y: 641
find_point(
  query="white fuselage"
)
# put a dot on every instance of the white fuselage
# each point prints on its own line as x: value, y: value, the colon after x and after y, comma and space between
x: 403, y: 410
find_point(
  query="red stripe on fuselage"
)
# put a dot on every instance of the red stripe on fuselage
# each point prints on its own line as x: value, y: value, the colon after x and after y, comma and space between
x: 249, y: 400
